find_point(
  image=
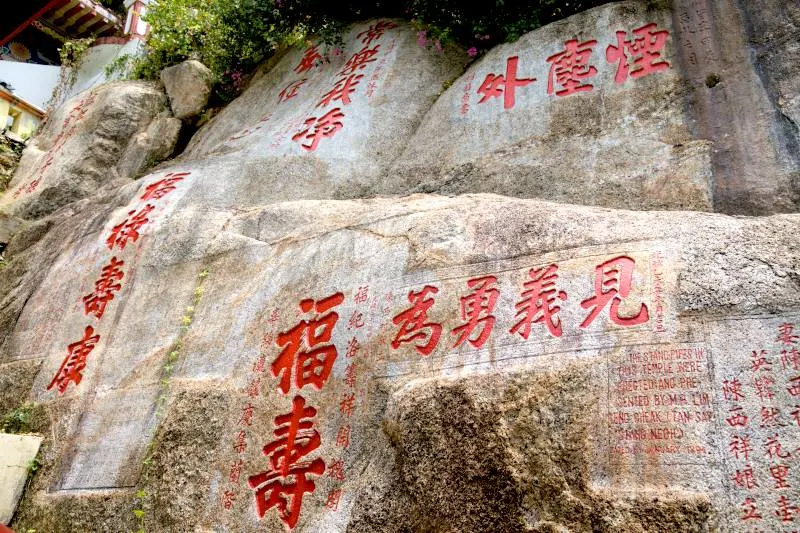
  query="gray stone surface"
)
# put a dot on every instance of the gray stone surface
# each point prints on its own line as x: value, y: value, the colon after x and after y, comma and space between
x: 188, y: 86
x: 16, y: 452
x: 623, y: 411
x: 619, y: 144
x: 251, y: 140
x: 101, y: 138
x: 546, y: 417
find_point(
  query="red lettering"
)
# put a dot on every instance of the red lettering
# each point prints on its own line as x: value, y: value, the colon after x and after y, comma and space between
x: 496, y: 85
x: 644, y: 49
x: 571, y: 67
x: 307, y: 350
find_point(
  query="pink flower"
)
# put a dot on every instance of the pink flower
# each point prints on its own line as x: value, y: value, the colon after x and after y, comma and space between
x: 472, y: 52
x: 421, y: 40
x: 438, y: 46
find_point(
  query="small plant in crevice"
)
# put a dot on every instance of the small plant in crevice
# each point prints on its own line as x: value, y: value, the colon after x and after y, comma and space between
x: 173, y: 354
x: 17, y: 420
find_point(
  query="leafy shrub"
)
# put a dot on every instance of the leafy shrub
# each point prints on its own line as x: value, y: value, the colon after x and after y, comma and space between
x: 232, y: 36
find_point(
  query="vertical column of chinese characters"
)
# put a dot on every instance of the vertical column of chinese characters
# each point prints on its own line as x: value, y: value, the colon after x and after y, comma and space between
x: 245, y: 419
x: 374, y: 33
x: 306, y: 358
x: 327, y: 125
x: 109, y: 282
x: 348, y: 402
x: 740, y: 448
x: 67, y: 130
x: 781, y: 455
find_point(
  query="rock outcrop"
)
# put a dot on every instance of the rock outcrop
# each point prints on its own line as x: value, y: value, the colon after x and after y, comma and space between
x: 188, y: 86
x: 99, y: 139
x: 245, y: 340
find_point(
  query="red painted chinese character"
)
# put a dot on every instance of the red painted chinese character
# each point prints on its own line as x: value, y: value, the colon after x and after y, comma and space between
x: 350, y: 375
x: 645, y: 51
x: 343, y: 437
x: 375, y: 32
x: 774, y: 448
x: 128, y: 229
x: 780, y: 473
x: 496, y: 84
x: 760, y: 362
x: 341, y: 90
x: 359, y: 60
x: 241, y: 442
x: 785, y: 335
x: 290, y: 91
x: 309, y: 59
x: 749, y: 510
x: 612, y: 283
x: 786, y: 509
x: 732, y: 390
x: 258, y: 366
x: 308, y: 351
x: 332, y: 502
x: 347, y: 404
x: 769, y: 417
x: 413, y: 322
x: 316, y: 129
x: 476, y: 310
x: 254, y: 388
x: 356, y: 320
x: 104, y: 289
x: 266, y: 341
x: 794, y: 386
x: 236, y: 471
x: 361, y: 295
x: 246, y: 419
x: 790, y: 358
x: 763, y: 386
x: 71, y: 369
x: 745, y: 478
x: 164, y: 186
x: 285, y: 482
x: 273, y: 317
x: 538, y: 303
x: 740, y: 446
x: 570, y: 67
x: 352, y: 348
x: 738, y: 418
x: 336, y: 470
x: 227, y: 499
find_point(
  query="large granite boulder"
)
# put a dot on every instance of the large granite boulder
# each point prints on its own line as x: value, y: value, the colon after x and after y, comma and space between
x: 188, y: 86
x: 566, y: 368
x: 238, y: 342
x: 101, y: 138
x: 310, y: 126
x: 628, y: 109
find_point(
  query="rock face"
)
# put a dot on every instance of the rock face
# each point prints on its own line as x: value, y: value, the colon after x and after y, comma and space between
x: 233, y: 343
x: 188, y: 86
x: 104, y: 137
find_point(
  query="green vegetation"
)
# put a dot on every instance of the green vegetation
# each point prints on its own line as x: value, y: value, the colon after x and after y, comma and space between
x: 18, y: 420
x: 232, y: 36
x: 173, y: 354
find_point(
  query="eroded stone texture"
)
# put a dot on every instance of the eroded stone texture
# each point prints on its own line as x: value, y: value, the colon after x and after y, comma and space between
x: 740, y: 80
x: 101, y: 138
